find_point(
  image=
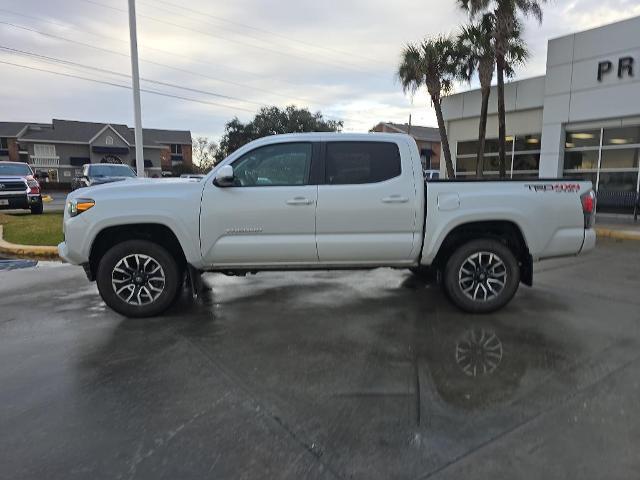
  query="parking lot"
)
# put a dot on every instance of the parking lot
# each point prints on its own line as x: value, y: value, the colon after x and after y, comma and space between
x: 325, y: 375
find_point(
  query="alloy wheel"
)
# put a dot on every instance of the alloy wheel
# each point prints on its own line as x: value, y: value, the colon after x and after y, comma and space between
x: 482, y: 276
x: 138, y: 279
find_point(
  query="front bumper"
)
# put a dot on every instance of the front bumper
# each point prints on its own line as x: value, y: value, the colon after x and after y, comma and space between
x: 34, y: 199
x: 69, y: 256
x: 20, y: 201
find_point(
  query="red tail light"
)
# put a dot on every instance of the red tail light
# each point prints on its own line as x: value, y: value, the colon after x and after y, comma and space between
x: 588, y: 207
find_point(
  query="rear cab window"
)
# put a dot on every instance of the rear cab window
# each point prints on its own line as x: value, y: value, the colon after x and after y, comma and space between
x: 349, y: 163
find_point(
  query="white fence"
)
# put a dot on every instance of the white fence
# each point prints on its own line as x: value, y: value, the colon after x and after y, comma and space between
x: 44, y: 161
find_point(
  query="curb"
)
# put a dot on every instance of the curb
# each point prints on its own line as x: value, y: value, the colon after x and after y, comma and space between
x: 617, y: 234
x: 29, y: 251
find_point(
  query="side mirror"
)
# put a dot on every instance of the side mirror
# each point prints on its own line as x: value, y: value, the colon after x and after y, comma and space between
x: 224, y: 176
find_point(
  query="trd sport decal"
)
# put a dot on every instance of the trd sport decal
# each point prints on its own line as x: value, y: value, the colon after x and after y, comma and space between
x: 558, y: 187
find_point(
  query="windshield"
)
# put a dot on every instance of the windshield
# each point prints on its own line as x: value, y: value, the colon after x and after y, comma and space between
x: 111, y: 171
x: 13, y: 169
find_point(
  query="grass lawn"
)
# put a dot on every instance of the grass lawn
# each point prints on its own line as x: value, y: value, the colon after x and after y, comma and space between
x: 27, y: 229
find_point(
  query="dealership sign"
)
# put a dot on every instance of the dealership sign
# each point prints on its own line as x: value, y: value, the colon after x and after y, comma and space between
x: 625, y: 68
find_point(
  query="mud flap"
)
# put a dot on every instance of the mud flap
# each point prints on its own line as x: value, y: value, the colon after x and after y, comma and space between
x: 195, y: 284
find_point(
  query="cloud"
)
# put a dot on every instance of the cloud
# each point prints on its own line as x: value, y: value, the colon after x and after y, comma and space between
x: 335, y: 56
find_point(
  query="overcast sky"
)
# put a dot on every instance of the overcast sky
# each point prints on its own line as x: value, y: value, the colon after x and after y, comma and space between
x: 336, y: 56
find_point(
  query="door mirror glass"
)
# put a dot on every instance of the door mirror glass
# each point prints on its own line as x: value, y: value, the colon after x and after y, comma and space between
x: 224, y: 176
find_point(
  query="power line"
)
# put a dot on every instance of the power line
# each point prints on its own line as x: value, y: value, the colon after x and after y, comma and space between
x: 171, y: 67
x: 221, y: 37
x: 78, y: 28
x: 113, y: 84
x: 263, y: 30
x: 291, y: 43
x: 111, y: 72
x: 71, y: 64
x: 178, y: 69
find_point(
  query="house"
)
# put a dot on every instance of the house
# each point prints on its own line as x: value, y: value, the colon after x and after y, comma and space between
x: 63, y: 146
x: 427, y: 138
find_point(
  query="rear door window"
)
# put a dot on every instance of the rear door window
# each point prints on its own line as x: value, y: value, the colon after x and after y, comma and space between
x: 361, y: 162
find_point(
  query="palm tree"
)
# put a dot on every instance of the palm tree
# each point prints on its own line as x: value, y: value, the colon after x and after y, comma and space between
x: 506, y: 14
x: 431, y: 64
x: 476, y: 53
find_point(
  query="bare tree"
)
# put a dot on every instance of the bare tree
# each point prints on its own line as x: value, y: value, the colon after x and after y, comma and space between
x: 204, y: 153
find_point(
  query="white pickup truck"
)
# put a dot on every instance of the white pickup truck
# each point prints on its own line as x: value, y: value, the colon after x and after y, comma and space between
x: 322, y: 201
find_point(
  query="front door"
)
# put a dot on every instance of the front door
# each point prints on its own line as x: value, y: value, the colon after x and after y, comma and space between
x: 267, y: 217
x: 367, y: 206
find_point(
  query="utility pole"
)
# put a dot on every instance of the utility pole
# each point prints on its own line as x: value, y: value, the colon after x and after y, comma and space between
x: 135, y: 76
x: 409, y: 129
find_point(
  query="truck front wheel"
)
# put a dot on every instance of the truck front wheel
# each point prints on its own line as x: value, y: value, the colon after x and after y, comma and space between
x: 138, y: 278
x: 481, y: 276
x: 36, y: 208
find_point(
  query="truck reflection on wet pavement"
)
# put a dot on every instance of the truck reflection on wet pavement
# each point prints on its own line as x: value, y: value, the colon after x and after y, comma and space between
x: 325, y: 375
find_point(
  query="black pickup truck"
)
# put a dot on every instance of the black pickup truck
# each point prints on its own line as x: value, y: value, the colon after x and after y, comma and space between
x: 18, y: 188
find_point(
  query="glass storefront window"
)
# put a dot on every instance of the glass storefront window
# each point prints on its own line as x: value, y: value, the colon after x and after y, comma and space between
x: 527, y: 142
x: 585, y: 138
x: 621, y: 136
x: 467, y: 148
x: 529, y: 161
x: 585, y: 160
x: 586, y: 176
x: 618, y: 181
x: 617, y: 192
x: 491, y: 145
x: 467, y: 151
x: 466, y: 164
x: 620, y: 158
x: 492, y: 164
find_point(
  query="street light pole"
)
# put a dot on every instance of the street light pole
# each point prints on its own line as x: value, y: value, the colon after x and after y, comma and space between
x: 135, y: 76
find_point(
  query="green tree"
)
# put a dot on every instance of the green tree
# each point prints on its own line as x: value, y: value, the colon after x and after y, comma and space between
x: 431, y: 64
x: 506, y: 15
x: 476, y: 54
x: 273, y: 121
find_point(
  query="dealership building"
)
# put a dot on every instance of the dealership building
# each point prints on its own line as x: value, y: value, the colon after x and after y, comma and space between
x: 580, y: 120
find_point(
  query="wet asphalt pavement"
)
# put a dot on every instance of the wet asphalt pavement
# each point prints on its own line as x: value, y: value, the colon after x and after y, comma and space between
x: 325, y: 375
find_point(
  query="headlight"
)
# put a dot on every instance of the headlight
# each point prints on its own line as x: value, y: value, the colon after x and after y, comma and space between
x: 79, y: 205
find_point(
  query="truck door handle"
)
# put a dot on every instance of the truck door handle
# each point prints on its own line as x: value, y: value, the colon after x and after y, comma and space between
x: 299, y: 201
x: 395, y: 199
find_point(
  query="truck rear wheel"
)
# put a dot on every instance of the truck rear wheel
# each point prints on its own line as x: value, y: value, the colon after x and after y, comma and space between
x: 481, y: 276
x: 138, y: 278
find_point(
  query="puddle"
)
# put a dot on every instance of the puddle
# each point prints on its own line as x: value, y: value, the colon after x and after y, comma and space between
x: 16, y: 264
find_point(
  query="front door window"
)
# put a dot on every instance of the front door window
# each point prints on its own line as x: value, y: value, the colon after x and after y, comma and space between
x: 274, y: 165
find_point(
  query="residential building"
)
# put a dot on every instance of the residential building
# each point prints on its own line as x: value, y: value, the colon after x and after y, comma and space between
x: 427, y: 138
x: 580, y: 120
x: 60, y: 148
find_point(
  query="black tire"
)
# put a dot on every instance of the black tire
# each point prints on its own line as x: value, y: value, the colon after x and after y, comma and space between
x: 37, y: 208
x: 480, y: 291
x: 169, y: 268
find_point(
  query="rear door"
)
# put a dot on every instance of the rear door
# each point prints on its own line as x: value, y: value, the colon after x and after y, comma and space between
x: 367, y: 206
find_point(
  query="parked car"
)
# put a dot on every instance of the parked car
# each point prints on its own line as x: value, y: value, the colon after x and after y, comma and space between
x: 323, y: 201
x: 196, y: 176
x: 99, y: 173
x: 19, y: 188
